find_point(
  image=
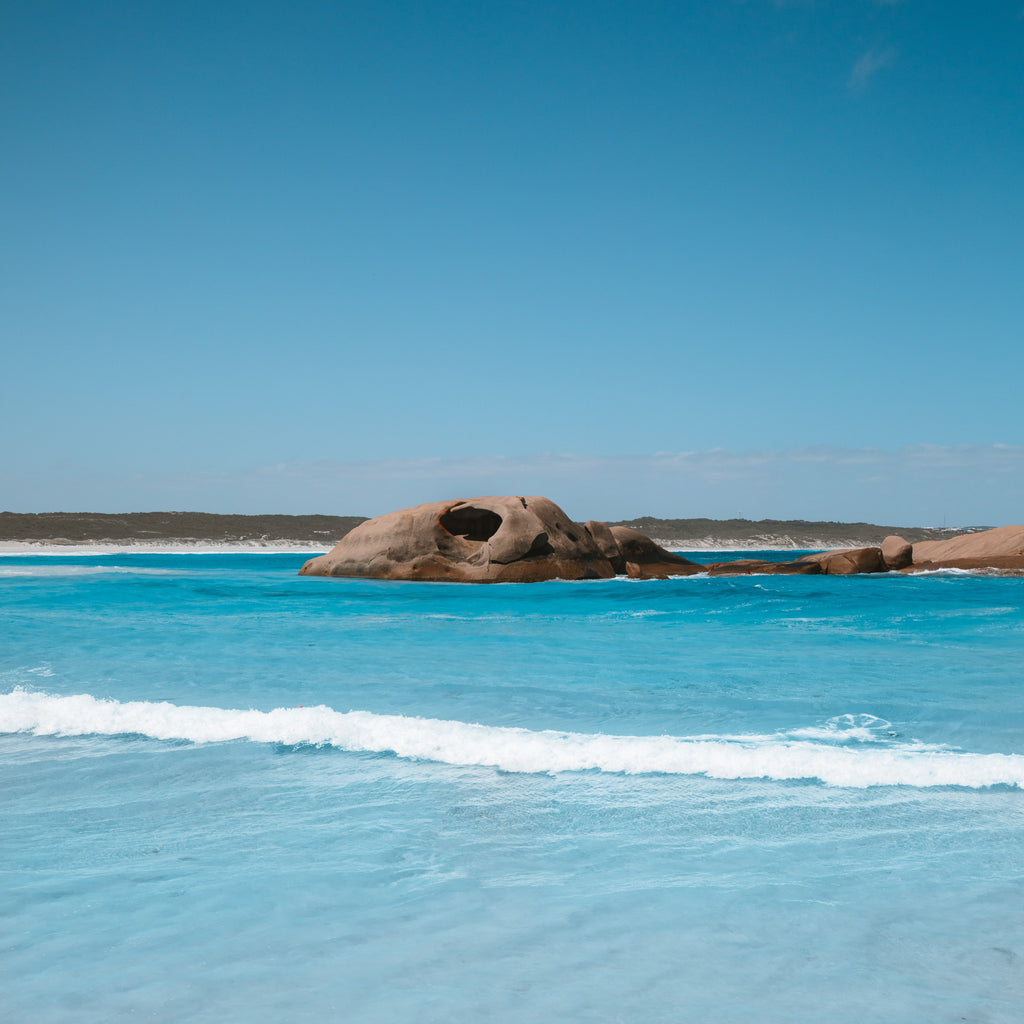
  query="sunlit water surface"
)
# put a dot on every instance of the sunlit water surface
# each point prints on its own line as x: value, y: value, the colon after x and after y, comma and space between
x: 234, y: 794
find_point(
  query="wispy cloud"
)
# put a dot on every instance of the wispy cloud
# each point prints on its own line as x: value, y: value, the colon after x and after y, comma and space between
x: 918, y: 485
x: 921, y: 485
x: 714, y: 464
x: 868, y: 65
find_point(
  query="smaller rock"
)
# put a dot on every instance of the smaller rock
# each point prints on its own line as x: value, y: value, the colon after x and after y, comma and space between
x: 646, y: 560
x: 749, y: 566
x: 848, y: 561
x: 605, y: 541
x: 897, y: 553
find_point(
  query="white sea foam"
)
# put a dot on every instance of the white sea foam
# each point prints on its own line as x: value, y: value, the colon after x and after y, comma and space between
x: 690, y: 547
x: 848, y: 728
x: 780, y: 756
x: 946, y: 572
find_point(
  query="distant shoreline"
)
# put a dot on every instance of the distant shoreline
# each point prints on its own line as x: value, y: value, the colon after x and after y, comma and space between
x: 182, y: 547
x: 169, y: 546
x: 205, y: 532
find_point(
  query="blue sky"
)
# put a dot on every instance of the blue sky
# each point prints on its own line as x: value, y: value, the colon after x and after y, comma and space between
x: 677, y: 259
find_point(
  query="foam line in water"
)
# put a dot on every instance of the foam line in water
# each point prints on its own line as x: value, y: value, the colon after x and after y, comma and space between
x: 513, y: 749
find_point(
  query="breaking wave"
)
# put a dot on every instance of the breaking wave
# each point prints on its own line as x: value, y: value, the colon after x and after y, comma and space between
x: 851, y: 751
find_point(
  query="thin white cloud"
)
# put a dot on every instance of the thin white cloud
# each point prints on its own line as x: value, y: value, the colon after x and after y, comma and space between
x: 868, y: 65
x: 715, y: 460
x: 920, y: 485
x: 917, y: 485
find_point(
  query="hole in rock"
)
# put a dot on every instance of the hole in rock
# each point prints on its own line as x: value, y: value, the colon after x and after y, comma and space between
x: 471, y: 523
x: 540, y: 546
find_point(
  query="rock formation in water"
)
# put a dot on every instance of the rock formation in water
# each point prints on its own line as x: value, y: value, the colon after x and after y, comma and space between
x: 507, y: 539
x: 515, y: 539
x: 848, y: 561
x: 1001, y: 550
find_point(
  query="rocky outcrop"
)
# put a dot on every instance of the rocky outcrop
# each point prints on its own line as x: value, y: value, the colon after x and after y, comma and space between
x: 514, y: 539
x: 509, y: 539
x: 1001, y: 549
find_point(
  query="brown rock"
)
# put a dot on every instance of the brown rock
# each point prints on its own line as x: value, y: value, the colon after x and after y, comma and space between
x: 484, y: 540
x: 752, y: 566
x: 897, y: 553
x: 507, y: 539
x: 646, y: 560
x: 1002, y: 548
x: 602, y: 534
x: 513, y: 539
x: 848, y: 561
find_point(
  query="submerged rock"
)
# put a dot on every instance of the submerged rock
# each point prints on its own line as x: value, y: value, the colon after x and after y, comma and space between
x: 510, y: 539
x: 757, y: 566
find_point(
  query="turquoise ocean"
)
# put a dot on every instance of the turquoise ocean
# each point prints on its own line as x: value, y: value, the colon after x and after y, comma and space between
x: 230, y: 793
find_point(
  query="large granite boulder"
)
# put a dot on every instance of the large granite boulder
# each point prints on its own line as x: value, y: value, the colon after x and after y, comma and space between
x: 897, y: 553
x: 509, y: 539
x: 1002, y: 548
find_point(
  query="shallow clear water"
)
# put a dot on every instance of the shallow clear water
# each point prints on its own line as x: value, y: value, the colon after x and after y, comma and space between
x: 231, y: 793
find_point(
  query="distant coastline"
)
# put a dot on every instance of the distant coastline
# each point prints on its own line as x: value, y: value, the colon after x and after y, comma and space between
x: 147, y: 530
x: 205, y: 531
x: 779, y: 534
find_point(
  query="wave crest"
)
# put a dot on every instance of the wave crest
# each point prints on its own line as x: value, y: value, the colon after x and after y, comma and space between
x: 780, y: 756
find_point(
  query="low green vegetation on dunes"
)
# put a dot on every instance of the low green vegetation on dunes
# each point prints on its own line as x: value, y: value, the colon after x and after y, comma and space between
x: 797, y: 533
x: 153, y: 527
x: 156, y: 527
